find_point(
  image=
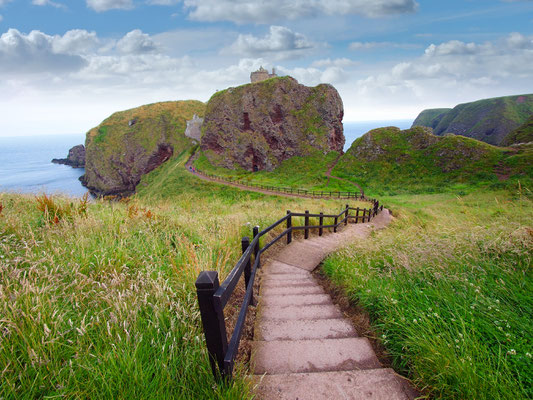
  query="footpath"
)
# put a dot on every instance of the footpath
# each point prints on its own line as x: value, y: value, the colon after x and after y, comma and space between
x: 304, y: 348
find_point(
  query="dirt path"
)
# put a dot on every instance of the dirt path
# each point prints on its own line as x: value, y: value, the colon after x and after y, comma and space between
x: 328, y: 174
x: 304, y: 348
x: 189, y: 167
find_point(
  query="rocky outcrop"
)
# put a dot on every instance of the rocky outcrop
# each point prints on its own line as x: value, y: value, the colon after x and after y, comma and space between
x: 523, y: 134
x: 489, y: 120
x: 194, y: 128
x: 75, y: 158
x: 132, y: 143
x: 259, y: 125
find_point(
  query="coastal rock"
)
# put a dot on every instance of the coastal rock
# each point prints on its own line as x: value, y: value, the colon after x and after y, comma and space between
x: 259, y: 125
x: 75, y: 158
x: 488, y: 120
x: 120, y: 151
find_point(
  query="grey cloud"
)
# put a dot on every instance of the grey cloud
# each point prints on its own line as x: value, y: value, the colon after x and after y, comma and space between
x: 34, y: 53
x: 105, y: 5
x: 136, y: 42
x: 245, y: 11
x: 279, y: 43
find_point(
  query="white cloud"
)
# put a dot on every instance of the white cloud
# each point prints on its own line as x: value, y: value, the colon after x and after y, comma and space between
x: 47, y: 3
x: 246, y: 11
x: 136, y: 42
x: 164, y: 2
x: 34, y: 52
x: 4, y: 2
x: 338, y: 62
x: 105, y: 5
x: 76, y: 41
x: 374, y: 45
x: 279, y: 44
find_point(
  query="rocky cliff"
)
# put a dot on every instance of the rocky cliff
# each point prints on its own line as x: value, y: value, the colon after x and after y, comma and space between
x: 75, y: 158
x: 131, y: 143
x: 257, y: 126
x: 489, y: 120
x: 522, y: 134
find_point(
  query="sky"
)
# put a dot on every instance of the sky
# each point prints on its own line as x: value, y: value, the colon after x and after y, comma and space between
x: 67, y: 65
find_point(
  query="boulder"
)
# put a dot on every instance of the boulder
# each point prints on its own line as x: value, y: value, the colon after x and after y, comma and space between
x: 75, y: 158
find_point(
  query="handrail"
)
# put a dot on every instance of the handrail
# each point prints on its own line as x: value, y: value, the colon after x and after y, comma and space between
x: 213, y: 297
x: 288, y: 190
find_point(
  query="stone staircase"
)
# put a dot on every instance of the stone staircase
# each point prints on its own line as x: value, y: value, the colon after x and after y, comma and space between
x: 304, y: 348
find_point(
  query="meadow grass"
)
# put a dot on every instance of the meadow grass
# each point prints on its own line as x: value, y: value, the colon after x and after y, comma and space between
x: 98, y: 301
x: 448, y: 289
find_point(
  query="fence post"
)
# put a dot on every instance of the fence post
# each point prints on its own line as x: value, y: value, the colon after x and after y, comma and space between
x: 256, y: 248
x: 245, y: 243
x: 289, y: 226
x: 212, y: 320
x: 335, y: 227
x: 357, y: 215
x: 306, y: 223
x: 346, y: 214
x: 321, y: 223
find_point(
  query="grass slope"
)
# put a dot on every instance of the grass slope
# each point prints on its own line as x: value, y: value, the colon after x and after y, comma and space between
x: 448, y: 288
x: 430, y: 117
x: 388, y: 160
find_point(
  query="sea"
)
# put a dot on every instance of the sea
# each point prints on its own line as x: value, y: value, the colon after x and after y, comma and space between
x: 26, y: 167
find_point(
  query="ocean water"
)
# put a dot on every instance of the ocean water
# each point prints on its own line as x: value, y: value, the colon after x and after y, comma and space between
x: 25, y: 165
x: 354, y: 130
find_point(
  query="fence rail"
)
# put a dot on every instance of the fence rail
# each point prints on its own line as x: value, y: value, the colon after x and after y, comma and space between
x: 288, y: 190
x: 213, y: 296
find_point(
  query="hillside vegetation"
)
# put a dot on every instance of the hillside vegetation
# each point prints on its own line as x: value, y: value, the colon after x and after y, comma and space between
x: 488, y: 120
x: 522, y: 134
x: 388, y: 160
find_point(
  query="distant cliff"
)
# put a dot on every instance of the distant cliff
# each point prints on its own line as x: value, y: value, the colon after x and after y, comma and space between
x: 489, y: 120
x: 131, y: 143
x: 75, y: 158
x: 522, y: 134
x: 258, y: 125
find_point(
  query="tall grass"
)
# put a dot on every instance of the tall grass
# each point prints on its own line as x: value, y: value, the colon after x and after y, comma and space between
x: 102, y: 304
x: 448, y: 287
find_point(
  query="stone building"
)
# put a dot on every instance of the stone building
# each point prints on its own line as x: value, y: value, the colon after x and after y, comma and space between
x: 261, y: 74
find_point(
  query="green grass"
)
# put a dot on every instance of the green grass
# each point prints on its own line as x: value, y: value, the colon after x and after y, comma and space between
x: 448, y: 288
x: 100, y: 302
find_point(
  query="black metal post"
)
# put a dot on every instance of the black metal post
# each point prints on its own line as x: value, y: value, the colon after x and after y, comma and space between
x: 289, y: 226
x: 335, y: 227
x: 245, y: 242
x: 357, y: 215
x: 321, y: 222
x: 212, y: 320
x: 306, y: 223
x: 256, y: 248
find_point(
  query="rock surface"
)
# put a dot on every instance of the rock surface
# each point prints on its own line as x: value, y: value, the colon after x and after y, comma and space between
x: 523, y: 134
x: 75, y: 158
x: 259, y: 125
x: 119, y: 152
x: 488, y: 120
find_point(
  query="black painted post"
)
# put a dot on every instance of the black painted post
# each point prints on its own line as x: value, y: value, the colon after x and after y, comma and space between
x: 335, y: 227
x: 306, y: 223
x: 357, y: 215
x: 346, y: 214
x: 212, y: 320
x: 289, y: 226
x: 321, y: 222
x: 256, y: 248
x: 381, y: 208
x: 245, y: 242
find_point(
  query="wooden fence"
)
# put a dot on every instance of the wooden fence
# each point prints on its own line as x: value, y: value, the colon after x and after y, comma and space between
x: 213, y: 296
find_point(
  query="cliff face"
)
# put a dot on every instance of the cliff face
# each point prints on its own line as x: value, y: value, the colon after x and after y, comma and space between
x: 132, y: 143
x: 523, y: 134
x: 489, y: 120
x: 257, y: 126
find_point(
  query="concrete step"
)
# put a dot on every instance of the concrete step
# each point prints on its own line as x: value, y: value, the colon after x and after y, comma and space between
x: 295, y: 299
x: 290, y: 290
x: 288, y: 277
x: 374, y: 384
x: 305, y: 256
x: 289, y: 356
x: 277, y: 267
x: 305, y: 329
x: 300, y: 281
x: 318, y: 311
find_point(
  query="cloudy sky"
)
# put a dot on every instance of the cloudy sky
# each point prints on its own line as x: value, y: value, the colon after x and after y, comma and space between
x: 67, y: 64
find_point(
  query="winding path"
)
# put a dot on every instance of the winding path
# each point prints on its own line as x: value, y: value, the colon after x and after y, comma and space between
x: 304, y: 347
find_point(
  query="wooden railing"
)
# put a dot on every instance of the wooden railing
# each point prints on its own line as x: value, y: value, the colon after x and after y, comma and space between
x: 288, y: 190
x: 213, y: 296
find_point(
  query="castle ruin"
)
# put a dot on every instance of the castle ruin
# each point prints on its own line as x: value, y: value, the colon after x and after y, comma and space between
x: 261, y: 74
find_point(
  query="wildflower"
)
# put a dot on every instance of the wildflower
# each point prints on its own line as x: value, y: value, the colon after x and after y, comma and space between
x: 415, y: 321
x: 384, y: 336
x: 528, y: 355
x: 512, y: 352
x: 436, y: 315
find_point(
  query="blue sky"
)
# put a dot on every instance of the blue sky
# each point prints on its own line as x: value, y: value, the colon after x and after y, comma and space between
x: 66, y: 65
